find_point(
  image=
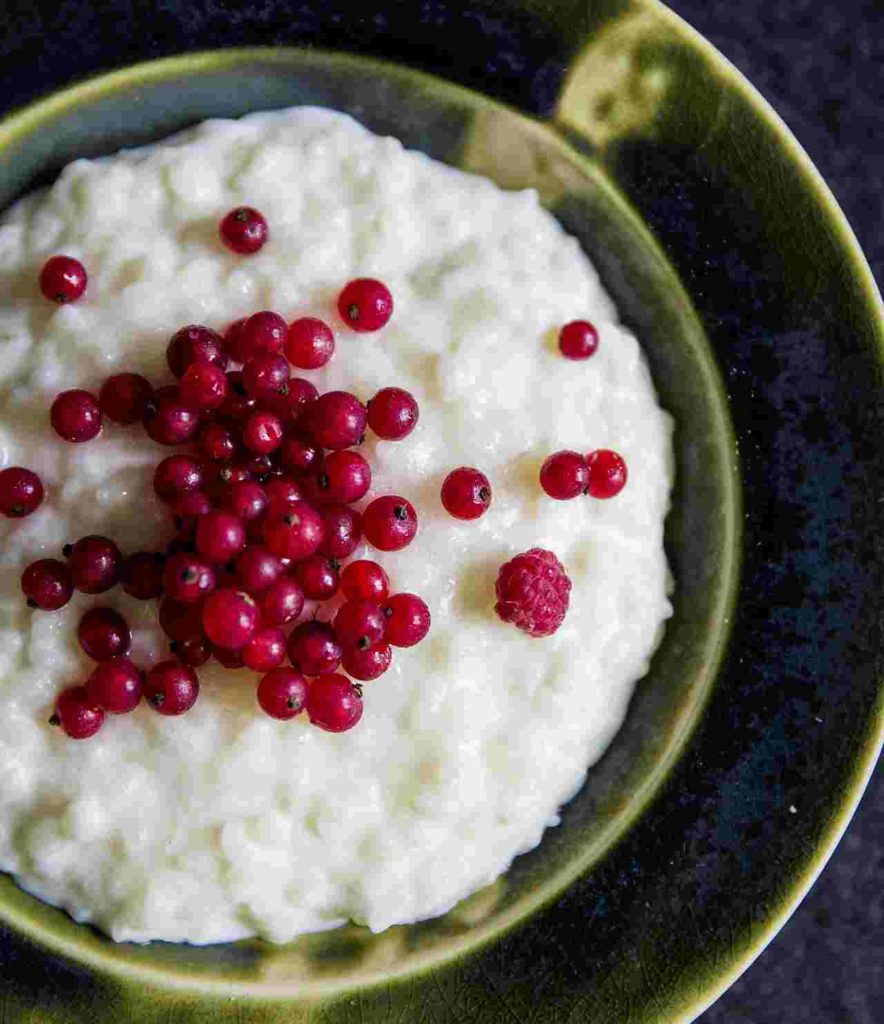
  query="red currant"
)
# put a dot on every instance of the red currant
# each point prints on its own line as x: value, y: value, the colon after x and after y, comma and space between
x: 195, y: 344
x: 318, y: 577
x: 103, y: 634
x: 298, y: 455
x: 265, y: 375
x: 564, y: 475
x: 314, y: 649
x: 295, y: 533
x: 360, y: 624
x: 368, y: 663
x: 229, y: 659
x: 171, y: 688
x: 168, y: 420
x: 266, y: 649
x: 257, y: 569
x: 390, y: 523
x: 220, y: 442
x: 180, y: 621
x: 310, y: 343
x: 141, y: 575
x: 334, y: 703
x: 116, y: 685
x: 95, y: 564
x: 578, y: 340
x: 345, y: 477
x: 282, y: 493
x: 261, y: 332
x: 337, y: 420
x: 392, y: 413
x: 177, y: 475
x: 21, y: 492
x: 124, y: 397
x: 47, y: 584
x: 365, y: 579
x: 244, y: 230
x: 203, y: 387
x: 282, y: 693
x: 262, y: 433
x: 63, y: 279
x: 407, y: 620
x: 75, y: 416
x: 239, y: 404
x: 220, y: 536
x: 292, y: 407
x: 365, y: 304
x: 607, y: 473
x: 76, y: 713
x: 466, y: 493
x: 187, y: 578
x: 246, y: 500
x: 343, y: 531
x: 282, y: 601
x: 194, y: 651
x: 230, y: 618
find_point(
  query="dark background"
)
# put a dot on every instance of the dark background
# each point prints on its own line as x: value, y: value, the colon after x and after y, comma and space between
x: 821, y: 65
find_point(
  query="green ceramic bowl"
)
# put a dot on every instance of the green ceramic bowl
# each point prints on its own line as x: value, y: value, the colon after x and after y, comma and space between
x: 642, y: 94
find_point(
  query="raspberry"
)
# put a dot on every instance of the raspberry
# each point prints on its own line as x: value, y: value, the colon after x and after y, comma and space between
x: 533, y: 591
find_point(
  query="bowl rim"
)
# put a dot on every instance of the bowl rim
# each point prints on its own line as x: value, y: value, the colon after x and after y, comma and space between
x: 28, y: 117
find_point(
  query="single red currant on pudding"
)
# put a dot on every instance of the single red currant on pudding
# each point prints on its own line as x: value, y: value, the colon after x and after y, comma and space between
x: 188, y: 578
x: 180, y: 621
x: 282, y: 493
x: 390, y: 523
x: 171, y: 688
x: 533, y: 592
x: 282, y: 693
x: 466, y: 493
x: 195, y: 344
x: 220, y: 536
x: 334, y: 703
x: 345, y: 477
x: 220, y: 442
x: 77, y: 714
x: 104, y: 634
x: 246, y: 500
x: 407, y: 620
x: 262, y: 433
x: 21, y: 492
x: 177, y: 475
x: 578, y: 340
x: 230, y: 618
x: 295, y: 533
x: 265, y: 375
x: 123, y: 398
x: 257, y: 568
x: 343, y: 531
x: 369, y: 663
x: 336, y: 420
x: 607, y: 473
x: 318, y: 577
x: 314, y: 649
x: 239, y: 404
x: 229, y: 659
x: 262, y: 333
x: 63, y: 279
x: 244, y: 230
x: 116, y: 686
x: 75, y: 416
x: 168, y: 420
x: 203, y: 387
x: 282, y: 601
x: 310, y: 343
x: 564, y: 475
x: 47, y: 584
x: 300, y: 456
x: 365, y: 579
x: 141, y: 575
x: 95, y: 564
x: 365, y: 304
x: 266, y: 649
x: 194, y: 651
x: 393, y: 413
x: 360, y: 624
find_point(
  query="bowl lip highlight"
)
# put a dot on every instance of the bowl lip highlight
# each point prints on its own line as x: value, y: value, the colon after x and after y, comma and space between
x: 108, y: 959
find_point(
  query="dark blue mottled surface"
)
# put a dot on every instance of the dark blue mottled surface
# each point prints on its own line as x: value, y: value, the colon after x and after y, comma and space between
x: 809, y: 559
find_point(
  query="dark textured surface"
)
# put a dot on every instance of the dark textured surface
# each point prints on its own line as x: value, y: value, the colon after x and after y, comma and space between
x: 820, y: 65
x: 817, y: 64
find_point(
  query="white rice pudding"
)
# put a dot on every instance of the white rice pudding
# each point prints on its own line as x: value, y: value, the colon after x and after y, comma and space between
x: 223, y: 823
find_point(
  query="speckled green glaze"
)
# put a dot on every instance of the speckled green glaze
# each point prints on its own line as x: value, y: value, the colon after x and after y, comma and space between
x: 639, y: 82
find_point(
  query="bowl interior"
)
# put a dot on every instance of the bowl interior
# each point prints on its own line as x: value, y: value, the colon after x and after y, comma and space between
x: 462, y: 128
